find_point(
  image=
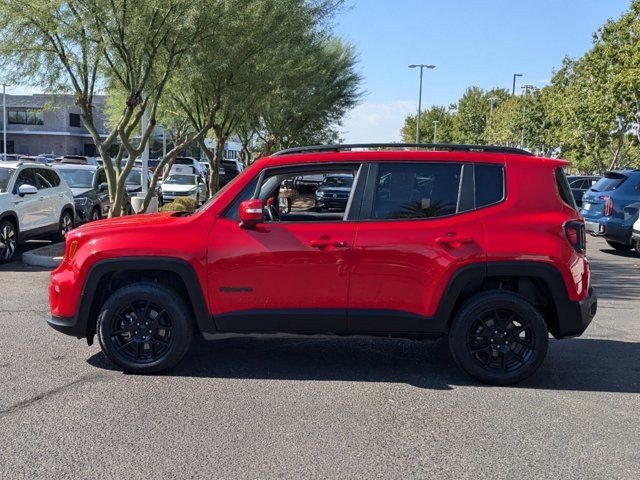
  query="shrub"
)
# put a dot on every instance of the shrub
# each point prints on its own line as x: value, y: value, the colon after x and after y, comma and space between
x: 185, y: 204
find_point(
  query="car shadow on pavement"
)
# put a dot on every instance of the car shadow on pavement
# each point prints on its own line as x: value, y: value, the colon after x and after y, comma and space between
x: 614, y: 283
x: 585, y: 364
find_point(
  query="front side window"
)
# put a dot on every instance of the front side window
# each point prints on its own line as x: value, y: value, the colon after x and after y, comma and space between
x: 50, y: 176
x: 416, y: 190
x: 25, y: 177
x: 314, y: 196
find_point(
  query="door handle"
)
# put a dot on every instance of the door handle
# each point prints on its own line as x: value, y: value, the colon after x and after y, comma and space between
x: 325, y: 242
x: 453, y: 241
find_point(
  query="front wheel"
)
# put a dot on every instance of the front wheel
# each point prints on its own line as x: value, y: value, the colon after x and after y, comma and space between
x: 622, y: 247
x: 498, y: 337
x: 144, y: 328
x: 64, y: 226
x: 636, y: 246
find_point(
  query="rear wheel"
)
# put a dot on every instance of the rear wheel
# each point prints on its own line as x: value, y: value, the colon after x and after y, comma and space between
x: 144, y: 328
x: 619, y: 246
x: 498, y: 337
x: 8, y: 241
x: 636, y: 246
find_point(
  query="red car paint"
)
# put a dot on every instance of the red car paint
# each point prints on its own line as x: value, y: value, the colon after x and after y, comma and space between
x: 391, y: 265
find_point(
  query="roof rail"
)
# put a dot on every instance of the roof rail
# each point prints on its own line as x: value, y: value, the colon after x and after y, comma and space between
x: 453, y: 147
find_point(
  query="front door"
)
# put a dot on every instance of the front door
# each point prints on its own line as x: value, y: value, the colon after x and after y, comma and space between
x: 30, y: 209
x: 413, y: 234
x: 291, y: 273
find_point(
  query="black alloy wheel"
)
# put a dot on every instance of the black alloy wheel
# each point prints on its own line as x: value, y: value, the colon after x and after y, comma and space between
x: 144, y: 327
x: 498, y: 337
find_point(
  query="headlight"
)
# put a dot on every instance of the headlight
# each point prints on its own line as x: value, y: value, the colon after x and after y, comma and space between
x: 319, y: 193
x: 82, y: 202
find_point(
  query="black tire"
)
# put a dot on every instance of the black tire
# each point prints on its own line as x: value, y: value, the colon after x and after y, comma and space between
x: 129, y: 347
x: 65, y: 224
x: 636, y: 246
x: 498, y: 337
x: 622, y: 247
x: 8, y: 241
x: 96, y: 214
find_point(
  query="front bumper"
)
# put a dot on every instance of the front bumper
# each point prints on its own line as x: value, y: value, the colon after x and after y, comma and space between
x: 68, y: 326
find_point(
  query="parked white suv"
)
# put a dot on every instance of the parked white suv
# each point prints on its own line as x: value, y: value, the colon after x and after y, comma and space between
x: 34, y: 202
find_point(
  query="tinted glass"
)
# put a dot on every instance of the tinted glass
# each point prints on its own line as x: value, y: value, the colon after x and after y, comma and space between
x: 489, y: 184
x: 416, y: 190
x: 133, y: 178
x: 5, y: 176
x: 102, y: 177
x: 183, y: 161
x: 610, y: 181
x: 229, y: 167
x: 564, y: 189
x: 337, y: 181
x: 50, y: 176
x: 25, y: 177
x: 246, y: 194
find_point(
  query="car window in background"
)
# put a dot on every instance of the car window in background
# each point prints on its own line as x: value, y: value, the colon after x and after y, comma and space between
x: 337, y: 181
x: 25, y: 177
x: 77, y: 178
x: 102, y: 177
x: 181, y: 180
x: 5, y: 176
x: 416, y: 190
x: 133, y: 178
x: 610, y: 181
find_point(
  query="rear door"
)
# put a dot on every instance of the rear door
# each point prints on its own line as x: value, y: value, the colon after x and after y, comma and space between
x: 417, y: 228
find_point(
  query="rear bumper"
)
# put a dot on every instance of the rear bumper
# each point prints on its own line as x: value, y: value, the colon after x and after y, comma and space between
x: 613, y: 229
x: 575, y: 317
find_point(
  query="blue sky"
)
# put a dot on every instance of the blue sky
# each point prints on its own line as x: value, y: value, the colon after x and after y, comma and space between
x: 479, y: 42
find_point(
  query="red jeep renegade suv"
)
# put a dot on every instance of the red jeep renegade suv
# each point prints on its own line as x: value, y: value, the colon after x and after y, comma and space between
x: 445, y: 241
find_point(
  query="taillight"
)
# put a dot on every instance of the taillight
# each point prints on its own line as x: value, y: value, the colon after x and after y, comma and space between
x: 576, y: 235
x: 608, y: 205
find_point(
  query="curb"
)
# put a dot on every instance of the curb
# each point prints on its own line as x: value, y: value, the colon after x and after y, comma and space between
x: 49, y: 256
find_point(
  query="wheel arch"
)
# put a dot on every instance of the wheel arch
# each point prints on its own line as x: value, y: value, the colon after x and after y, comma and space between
x: 106, y: 276
x: 539, y: 283
x: 12, y: 217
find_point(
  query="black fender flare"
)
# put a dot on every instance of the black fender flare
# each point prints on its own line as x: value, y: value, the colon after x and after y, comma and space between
x: 131, y: 264
x: 567, y: 321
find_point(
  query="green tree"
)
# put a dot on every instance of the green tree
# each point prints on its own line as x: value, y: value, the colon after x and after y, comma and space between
x: 445, y: 126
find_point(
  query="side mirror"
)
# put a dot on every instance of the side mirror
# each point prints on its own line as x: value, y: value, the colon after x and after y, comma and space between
x: 103, y: 187
x: 251, y: 213
x: 27, y: 190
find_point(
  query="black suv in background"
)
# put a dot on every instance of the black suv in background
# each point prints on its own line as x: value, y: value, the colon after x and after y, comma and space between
x: 90, y: 192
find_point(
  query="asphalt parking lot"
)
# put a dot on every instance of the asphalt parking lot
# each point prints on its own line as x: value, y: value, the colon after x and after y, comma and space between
x: 302, y: 408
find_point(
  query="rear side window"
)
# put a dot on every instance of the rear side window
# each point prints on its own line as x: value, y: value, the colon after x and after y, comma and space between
x: 610, y: 181
x: 489, y: 184
x: 565, y: 190
x: 416, y: 190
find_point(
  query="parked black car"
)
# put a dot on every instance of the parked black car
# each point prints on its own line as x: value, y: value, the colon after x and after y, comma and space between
x: 89, y: 186
x: 580, y: 184
x: 333, y: 192
x: 134, y: 185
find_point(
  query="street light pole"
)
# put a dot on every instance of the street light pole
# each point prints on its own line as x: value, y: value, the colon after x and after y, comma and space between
x: 435, y: 131
x: 491, y: 101
x: 513, y: 90
x: 422, y: 67
x: 4, y: 122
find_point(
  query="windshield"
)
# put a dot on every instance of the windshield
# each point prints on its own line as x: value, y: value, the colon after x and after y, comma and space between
x: 183, y: 161
x: 341, y: 181
x: 5, y: 176
x: 181, y: 180
x: 79, y: 178
x: 610, y: 181
x: 133, y: 178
